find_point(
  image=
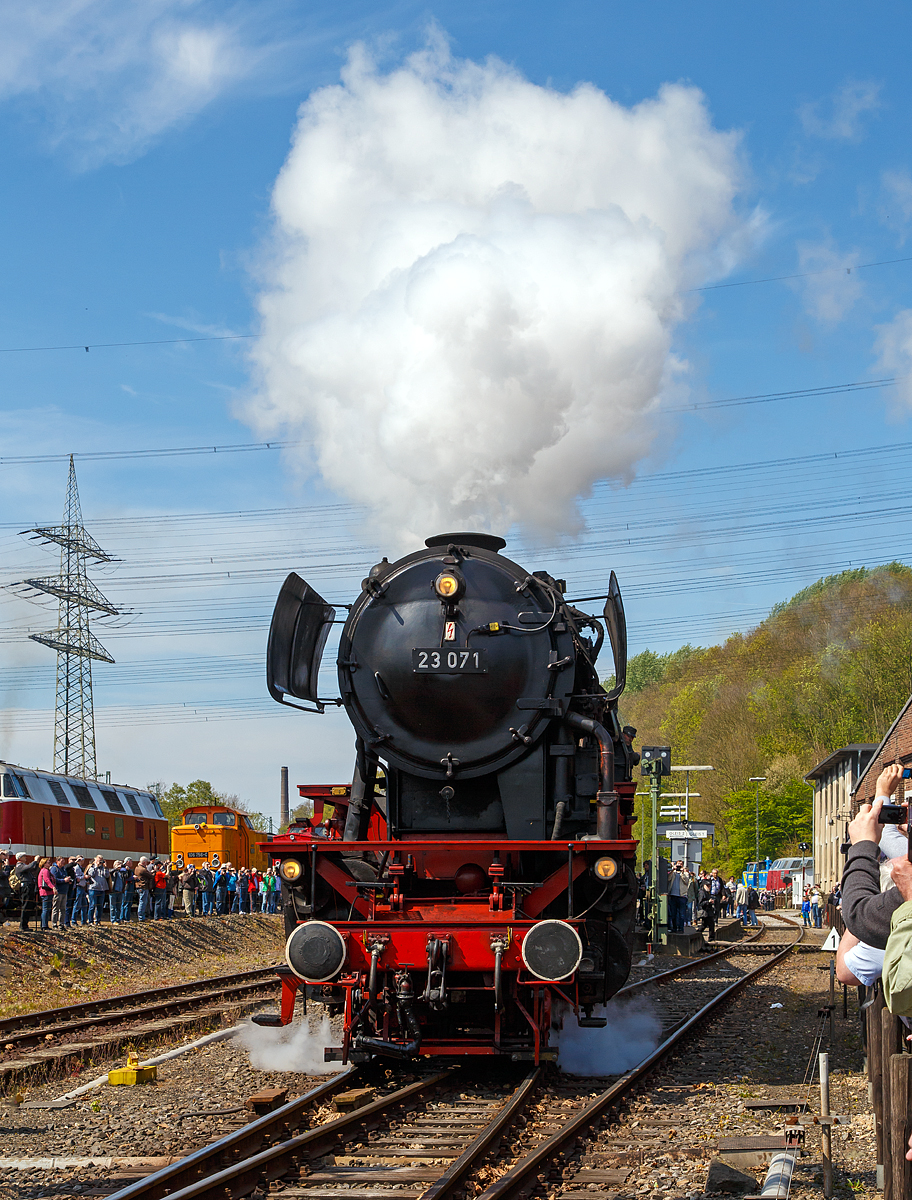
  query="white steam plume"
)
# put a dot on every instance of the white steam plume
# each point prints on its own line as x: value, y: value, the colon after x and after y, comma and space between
x: 297, y: 1047
x: 469, y: 308
x: 631, y: 1034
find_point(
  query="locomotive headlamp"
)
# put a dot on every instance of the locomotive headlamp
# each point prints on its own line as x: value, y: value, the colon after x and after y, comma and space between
x: 605, y: 868
x: 291, y: 870
x: 449, y: 585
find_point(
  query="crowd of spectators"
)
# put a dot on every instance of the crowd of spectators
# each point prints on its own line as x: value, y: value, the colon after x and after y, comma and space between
x: 63, y: 892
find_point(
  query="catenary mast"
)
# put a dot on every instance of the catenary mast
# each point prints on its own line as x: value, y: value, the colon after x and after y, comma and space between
x: 76, y: 645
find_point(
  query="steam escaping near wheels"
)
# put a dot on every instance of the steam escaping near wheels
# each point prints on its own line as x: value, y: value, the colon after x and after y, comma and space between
x: 633, y: 1031
x: 474, y: 283
x: 298, y: 1047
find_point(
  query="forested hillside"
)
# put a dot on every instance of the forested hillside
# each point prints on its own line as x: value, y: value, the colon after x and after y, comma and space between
x: 831, y: 666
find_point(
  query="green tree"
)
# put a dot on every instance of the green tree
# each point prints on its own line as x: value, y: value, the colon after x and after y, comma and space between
x: 785, y: 820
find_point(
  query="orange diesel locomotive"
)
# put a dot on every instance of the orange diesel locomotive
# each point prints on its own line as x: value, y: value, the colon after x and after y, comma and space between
x: 216, y: 833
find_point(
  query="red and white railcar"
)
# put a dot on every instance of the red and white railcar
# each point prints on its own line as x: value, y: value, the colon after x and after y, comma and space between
x: 43, y: 814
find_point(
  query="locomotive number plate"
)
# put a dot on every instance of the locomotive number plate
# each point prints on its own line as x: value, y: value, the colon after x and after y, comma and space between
x: 440, y: 660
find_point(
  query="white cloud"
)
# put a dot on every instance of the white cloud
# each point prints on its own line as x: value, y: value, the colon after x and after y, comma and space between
x: 894, y: 347
x: 895, y: 208
x: 474, y: 284
x: 832, y: 286
x: 839, y: 117
x: 111, y: 76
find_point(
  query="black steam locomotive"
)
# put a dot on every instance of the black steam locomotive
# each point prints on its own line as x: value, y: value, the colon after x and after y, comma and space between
x: 480, y: 867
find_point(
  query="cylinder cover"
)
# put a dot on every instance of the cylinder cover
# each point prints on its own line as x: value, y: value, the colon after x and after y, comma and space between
x: 552, y: 950
x: 315, y: 951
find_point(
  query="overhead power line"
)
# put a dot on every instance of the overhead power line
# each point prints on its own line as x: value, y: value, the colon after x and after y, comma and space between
x: 835, y: 389
x: 862, y: 385
x: 886, y: 262
x: 224, y: 337
x: 168, y: 452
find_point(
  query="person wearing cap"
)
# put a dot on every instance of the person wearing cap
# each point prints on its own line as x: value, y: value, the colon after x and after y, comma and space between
x: 28, y: 888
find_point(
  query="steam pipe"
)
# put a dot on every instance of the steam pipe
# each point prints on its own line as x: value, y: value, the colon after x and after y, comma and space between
x: 498, y: 978
x: 376, y: 951
x: 606, y: 816
x: 561, y: 786
x: 408, y: 1019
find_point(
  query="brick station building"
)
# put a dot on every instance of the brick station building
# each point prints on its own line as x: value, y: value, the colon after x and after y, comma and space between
x: 895, y: 748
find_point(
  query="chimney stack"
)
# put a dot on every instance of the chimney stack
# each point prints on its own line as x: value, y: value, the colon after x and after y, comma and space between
x: 284, y: 815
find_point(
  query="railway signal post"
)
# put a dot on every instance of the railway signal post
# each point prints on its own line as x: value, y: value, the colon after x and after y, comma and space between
x: 655, y: 762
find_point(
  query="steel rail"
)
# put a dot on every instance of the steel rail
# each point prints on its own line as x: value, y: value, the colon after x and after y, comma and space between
x: 457, y: 1172
x: 693, y: 964
x: 141, y: 1011
x: 250, y: 1137
x: 48, y: 1017
x: 240, y: 1178
x: 518, y: 1179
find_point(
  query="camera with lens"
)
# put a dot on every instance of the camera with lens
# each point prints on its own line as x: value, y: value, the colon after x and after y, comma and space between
x: 893, y: 814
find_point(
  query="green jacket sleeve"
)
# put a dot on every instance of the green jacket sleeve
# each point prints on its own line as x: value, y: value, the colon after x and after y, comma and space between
x: 897, y: 968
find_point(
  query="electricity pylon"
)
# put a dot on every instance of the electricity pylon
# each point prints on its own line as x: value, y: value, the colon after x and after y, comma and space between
x: 76, y: 645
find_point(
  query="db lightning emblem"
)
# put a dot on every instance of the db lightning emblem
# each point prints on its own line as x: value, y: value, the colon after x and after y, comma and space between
x: 449, y: 631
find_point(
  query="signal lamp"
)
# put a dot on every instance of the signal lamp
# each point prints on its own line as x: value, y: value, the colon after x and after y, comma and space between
x: 291, y: 870
x: 449, y: 586
x: 605, y: 868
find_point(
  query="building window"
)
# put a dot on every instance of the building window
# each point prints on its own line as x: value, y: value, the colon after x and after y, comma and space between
x: 105, y: 833
x: 140, y: 832
x: 118, y: 827
x: 65, y: 822
x: 90, y: 823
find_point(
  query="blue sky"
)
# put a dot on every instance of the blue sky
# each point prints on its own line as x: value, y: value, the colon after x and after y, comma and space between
x: 141, y: 145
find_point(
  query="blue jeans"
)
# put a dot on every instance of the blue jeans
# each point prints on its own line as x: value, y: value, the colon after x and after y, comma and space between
x: 145, y: 905
x: 47, y: 903
x: 81, y: 906
x: 677, y: 913
x: 96, y: 907
x: 221, y: 901
x: 233, y: 901
x: 751, y: 917
x: 161, y: 903
x: 273, y: 897
x: 206, y: 903
x: 127, y: 909
x: 815, y: 913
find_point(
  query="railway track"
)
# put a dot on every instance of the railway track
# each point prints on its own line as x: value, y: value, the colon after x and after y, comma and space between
x: 437, y: 1133
x: 48, y: 1035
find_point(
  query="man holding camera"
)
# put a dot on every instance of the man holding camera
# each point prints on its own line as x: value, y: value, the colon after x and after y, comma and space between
x: 866, y: 910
